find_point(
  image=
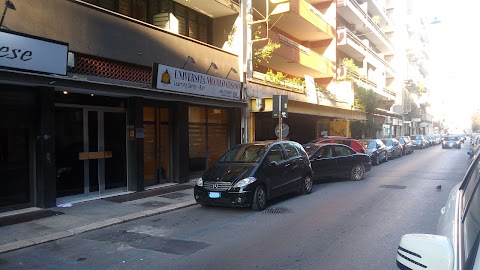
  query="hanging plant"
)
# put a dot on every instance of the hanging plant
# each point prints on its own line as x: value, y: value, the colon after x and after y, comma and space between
x: 263, y: 54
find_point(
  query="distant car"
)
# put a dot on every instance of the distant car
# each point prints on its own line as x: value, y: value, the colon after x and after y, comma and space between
x: 394, y: 149
x: 376, y: 149
x: 353, y: 143
x: 406, y: 143
x: 337, y: 160
x: 455, y: 246
x: 418, y: 141
x: 451, y: 142
x: 250, y: 174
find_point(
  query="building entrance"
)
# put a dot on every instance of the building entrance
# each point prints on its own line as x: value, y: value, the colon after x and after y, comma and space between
x: 90, y: 152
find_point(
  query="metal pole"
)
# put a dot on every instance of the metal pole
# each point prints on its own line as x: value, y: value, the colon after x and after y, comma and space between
x: 3, y: 16
x: 280, y: 135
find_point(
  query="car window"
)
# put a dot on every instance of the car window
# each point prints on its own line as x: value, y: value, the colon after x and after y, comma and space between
x: 324, y: 152
x: 275, y: 154
x: 299, y: 147
x: 401, y: 140
x: 340, y: 151
x: 388, y: 143
x: 291, y: 150
x: 372, y: 144
x: 247, y: 153
x: 471, y: 213
x: 346, y: 142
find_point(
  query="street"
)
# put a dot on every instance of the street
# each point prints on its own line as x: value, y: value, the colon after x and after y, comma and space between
x: 341, y: 225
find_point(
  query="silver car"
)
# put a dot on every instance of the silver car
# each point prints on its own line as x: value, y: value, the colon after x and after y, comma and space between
x: 455, y: 245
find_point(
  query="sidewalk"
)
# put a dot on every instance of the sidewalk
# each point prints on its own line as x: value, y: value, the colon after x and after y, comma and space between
x: 34, y: 226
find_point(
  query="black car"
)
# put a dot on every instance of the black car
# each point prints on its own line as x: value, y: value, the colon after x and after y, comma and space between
x: 376, y: 149
x: 406, y: 143
x: 452, y: 142
x: 337, y: 160
x: 250, y: 174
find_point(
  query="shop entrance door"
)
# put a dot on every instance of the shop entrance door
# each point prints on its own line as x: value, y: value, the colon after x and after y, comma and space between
x: 91, y: 152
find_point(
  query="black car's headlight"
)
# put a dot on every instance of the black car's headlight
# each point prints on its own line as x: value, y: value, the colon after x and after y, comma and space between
x: 245, y: 182
x: 200, y: 182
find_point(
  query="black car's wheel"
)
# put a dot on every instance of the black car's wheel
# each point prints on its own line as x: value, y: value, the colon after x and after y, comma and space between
x: 259, y: 199
x: 357, y: 173
x: 307, y: 184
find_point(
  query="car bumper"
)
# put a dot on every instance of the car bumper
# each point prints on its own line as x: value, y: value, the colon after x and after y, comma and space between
x: 226, y: 198
x: 367, y: 166
x: 450, y: 145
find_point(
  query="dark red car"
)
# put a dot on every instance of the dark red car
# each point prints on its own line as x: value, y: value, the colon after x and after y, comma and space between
x: 353, y: 143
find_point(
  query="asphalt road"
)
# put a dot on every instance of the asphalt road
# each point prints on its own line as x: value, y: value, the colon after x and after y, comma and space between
x: 341, y: 225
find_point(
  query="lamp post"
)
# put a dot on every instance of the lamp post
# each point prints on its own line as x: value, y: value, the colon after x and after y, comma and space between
x: 8, y: 5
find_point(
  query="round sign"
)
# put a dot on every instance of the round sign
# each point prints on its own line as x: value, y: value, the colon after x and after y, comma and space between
x: 285, y: 130
x: 423, y: 124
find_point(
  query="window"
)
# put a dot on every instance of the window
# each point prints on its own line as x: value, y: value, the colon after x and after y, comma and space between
x: 471, y: 214
x: 275, y: 154
x: 291, y: 150
x: 341, y: 151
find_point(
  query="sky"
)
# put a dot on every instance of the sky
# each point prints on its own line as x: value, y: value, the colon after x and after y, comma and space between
x: 453, y: 54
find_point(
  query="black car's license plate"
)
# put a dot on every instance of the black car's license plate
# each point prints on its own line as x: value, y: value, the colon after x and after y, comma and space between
x: 214, y: 195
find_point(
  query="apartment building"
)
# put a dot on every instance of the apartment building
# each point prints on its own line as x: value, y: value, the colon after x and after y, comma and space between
x: 302, y: 67
x: 103, y: 97
x: 417, y: 84
x: 367, y: 53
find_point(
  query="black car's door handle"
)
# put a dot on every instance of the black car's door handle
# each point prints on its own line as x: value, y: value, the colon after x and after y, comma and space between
x: 288, y: 164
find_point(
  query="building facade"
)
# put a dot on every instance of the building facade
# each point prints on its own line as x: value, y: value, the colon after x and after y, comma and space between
x: 105, y: 97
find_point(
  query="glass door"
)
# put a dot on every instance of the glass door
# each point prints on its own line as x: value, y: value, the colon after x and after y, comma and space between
x: 91, y: 151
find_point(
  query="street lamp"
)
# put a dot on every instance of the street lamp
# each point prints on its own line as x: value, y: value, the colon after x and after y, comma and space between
x: 8, y: 5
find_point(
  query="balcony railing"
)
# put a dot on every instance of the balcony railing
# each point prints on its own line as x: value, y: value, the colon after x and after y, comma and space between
x: 367, y: 83
x: 369, y: 19
x: 357, y: 41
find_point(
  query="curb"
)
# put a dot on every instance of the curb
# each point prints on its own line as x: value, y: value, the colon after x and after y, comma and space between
x: 90, y: 227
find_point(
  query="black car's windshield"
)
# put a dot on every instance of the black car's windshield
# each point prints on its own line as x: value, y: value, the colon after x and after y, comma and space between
x: 247, y: 153
x: 451, y: 139
x: 388, y: 142
x: 369, y: 144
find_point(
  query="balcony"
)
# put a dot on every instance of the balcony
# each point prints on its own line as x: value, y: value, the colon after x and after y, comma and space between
x: 297, y: 60
x: 214, y: 8
x: 299, y: 19
x: 366, y: 83
x: 351, y: 45
x: 356, y: 15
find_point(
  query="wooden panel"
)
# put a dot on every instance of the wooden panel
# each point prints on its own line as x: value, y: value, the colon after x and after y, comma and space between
x: 94, y: 155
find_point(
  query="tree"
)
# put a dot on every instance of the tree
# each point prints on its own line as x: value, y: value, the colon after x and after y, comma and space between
x: 476, y: 121
x: 367, y: 101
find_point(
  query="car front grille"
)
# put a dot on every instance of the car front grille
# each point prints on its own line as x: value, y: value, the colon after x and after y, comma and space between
x: 217, y: 186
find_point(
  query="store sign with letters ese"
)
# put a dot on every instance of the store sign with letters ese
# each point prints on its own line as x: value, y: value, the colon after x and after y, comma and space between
x: 185, y: 81
x: 24, y: 52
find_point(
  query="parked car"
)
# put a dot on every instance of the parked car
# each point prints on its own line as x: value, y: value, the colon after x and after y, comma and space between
x: 394, y: 149
x: 406, y: 143
x: 418, y: 141
x: 376, y: 149
x: 250, y: 174
x: 353, y: 143
x: 455, y: 244
x: 451, y: 141
x: 337, y: 160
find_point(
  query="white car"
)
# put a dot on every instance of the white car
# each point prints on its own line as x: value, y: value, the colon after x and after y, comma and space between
x: 456, y: 244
